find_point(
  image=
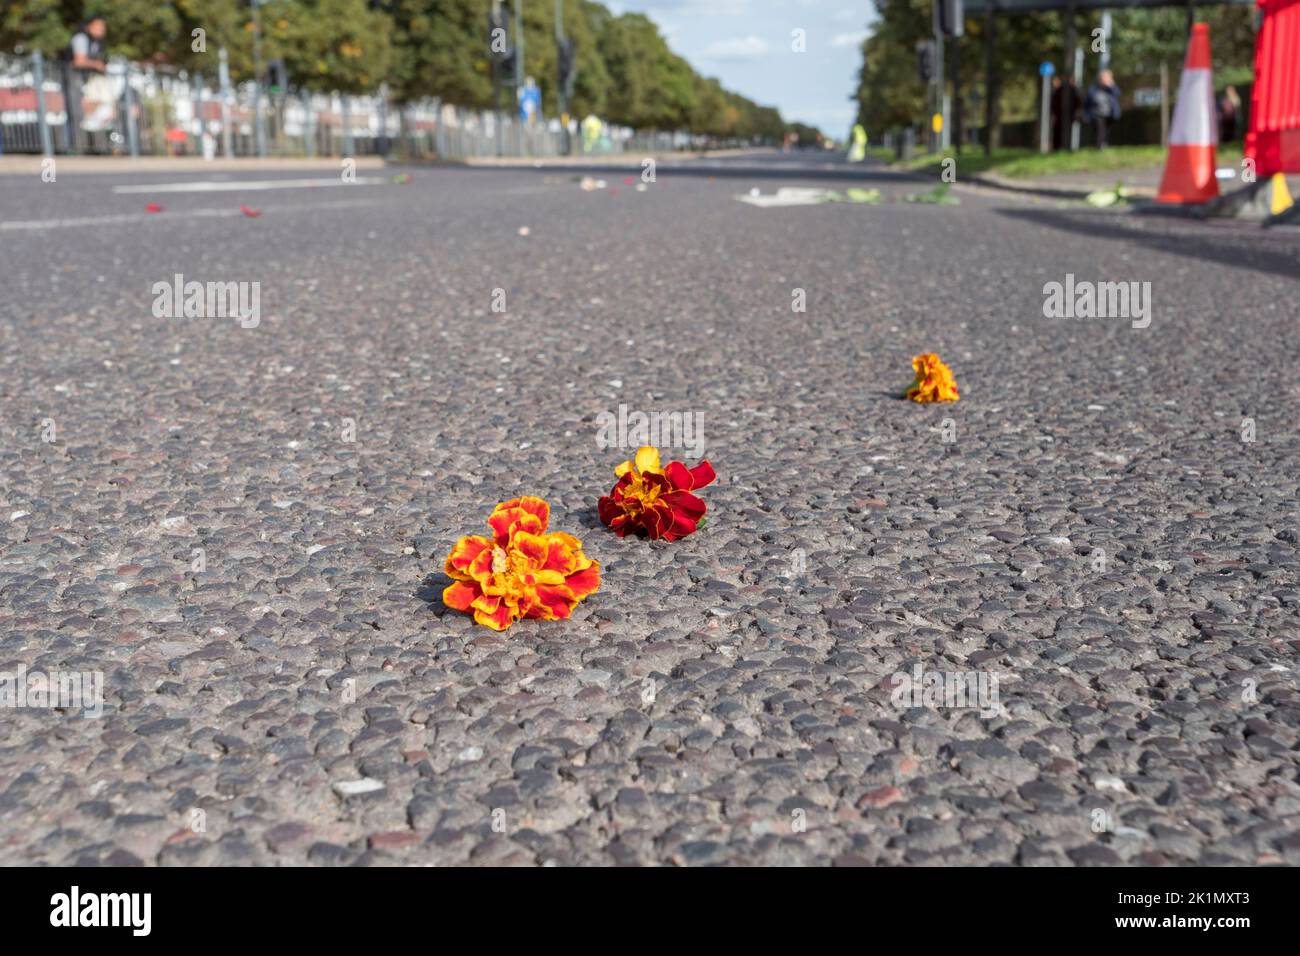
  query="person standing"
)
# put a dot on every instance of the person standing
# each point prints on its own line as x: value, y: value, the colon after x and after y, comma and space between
x: 858, y: 147
x: 1229, y: 114
x: 1065, y: 91
x: 1055, y: 108
x: 85, y: 60
x: 1102, y: 106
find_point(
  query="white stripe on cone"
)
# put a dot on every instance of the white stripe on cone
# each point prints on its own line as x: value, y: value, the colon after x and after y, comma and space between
x: 1194, y: 115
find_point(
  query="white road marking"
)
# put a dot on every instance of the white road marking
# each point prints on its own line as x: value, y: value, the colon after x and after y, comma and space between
x: 231, y: 186
x: 83, y: 221
x: 787, y: 196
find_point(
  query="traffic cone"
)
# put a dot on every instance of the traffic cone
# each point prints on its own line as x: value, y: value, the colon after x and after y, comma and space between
x: 1189, y: 167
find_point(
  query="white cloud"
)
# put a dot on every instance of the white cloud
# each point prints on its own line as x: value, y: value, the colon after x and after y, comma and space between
x: 849, y: 39
x: 738, y: 48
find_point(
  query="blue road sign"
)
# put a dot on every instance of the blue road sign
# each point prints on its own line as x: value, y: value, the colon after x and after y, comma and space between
x: 1047, y: 69
x: 530, y: 101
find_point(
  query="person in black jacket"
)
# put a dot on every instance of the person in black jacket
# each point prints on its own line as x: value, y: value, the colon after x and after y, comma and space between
x: 1102, y: 106
x: 1229, y: 114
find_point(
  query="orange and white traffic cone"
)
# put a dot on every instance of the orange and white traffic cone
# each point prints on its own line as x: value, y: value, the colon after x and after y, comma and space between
x: 1189, y: 167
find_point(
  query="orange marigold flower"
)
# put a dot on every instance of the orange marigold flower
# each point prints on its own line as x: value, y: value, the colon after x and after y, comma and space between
x: 654, y: 500
x: 522, y: 571
x: 934, y: 380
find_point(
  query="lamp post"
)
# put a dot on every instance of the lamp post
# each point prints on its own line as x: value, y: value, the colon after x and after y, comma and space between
x: 259, y: 130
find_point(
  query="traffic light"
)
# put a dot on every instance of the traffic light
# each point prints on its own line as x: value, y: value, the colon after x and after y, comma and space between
x: 277, y: 77
x: 950, y: 18
x: 565, y: 58
x: 925, y: 57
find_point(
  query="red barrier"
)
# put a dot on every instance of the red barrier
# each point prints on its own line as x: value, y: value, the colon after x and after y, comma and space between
x: 1273, y: 140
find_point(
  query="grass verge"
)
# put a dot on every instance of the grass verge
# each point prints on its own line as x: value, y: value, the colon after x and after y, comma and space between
x: 1029, y: 163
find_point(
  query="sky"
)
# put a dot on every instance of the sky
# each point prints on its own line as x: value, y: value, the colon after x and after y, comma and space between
x: 748, y: 45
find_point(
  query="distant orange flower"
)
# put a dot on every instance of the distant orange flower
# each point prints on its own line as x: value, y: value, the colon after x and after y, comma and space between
x: 655, y: 500
x: 934, y: 380
x: 523, y: 572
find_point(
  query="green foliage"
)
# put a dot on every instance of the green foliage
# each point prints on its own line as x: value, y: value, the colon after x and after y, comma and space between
x: 1143, y: 39
x: 328, y: 45
x: 890, y: 93
x: 626, y: 72
x: 44, y: 25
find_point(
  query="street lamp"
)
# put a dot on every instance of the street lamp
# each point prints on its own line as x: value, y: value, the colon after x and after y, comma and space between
x: 566, y: 73
x: 259, y: 130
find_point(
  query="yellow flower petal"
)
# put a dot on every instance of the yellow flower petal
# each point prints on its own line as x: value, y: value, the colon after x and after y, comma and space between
x: 934, y: 380
x: 647, y: 459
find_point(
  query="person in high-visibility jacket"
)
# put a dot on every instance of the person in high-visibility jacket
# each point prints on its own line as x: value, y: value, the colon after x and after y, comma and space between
x: 591, y: 130
x: 858, y: 149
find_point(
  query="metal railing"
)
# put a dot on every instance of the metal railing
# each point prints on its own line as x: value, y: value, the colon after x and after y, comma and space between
x: 150, y: 111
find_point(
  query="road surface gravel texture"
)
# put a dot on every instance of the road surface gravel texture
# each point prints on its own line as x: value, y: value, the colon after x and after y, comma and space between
x: 1089, y: 528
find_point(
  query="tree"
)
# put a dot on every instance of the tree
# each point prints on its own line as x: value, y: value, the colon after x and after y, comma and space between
x: 140, y: 30
x: 45, y: 25
x: 422, y: 48
x: 328, y: 45
x: 890, y: 94
x: 439, y: 48
x: 1142, y: 40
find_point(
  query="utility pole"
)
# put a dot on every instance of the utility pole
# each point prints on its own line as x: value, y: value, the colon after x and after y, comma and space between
x: 223, y: 80
x: 498, y: 54
x: 1067, y: 94
x: 519, y: 74
x: 990, y: 107
x: 308, y: 126
x: 38, y: 77
x: 1045, y: 109
x: 927, y: 65
x: 345, y: 110
x: 956, y: 94
x: 561, y: 106
x: 940, y: 89
x: 383, y: 119
x: 519, y: 46
x: 949, y: 20
x: 1105, y: 41
x: 1076, y: 128
x: 566, y: 72
x: 259, y: 128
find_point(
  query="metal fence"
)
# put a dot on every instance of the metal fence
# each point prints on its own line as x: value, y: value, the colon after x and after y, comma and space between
x: 148, y: 110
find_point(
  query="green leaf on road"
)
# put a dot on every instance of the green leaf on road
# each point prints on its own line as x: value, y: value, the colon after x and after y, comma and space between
x: 868, y: 196
x: 938, y: 196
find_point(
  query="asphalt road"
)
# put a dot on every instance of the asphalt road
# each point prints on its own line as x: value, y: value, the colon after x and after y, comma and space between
x: 1087, y: 531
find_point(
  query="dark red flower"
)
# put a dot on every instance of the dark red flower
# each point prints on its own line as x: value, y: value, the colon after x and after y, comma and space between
x: 655, y: 501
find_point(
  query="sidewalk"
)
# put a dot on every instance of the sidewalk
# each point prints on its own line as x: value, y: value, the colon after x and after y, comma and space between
x: 31, y: 165
x: 1142, y: 183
